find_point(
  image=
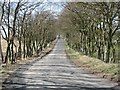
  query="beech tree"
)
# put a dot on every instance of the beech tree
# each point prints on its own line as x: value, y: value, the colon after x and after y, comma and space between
x: 25, y: 31
x: 95, y: 24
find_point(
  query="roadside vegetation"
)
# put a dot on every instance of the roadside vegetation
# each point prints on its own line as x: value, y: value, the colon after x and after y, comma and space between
x: 6, y: 71
x: 26, y: 28
x: 93, y: 30
x: 95, y: 66
x: 26, y: 33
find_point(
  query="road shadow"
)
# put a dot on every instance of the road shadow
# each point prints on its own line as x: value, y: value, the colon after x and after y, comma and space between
x: 24, y: 86
x: 67, y: 88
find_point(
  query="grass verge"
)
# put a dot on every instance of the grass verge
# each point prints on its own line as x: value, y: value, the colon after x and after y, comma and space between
x: 95, y: 66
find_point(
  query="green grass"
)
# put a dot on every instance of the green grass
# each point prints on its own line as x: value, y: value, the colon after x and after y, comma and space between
x: 93, y: 64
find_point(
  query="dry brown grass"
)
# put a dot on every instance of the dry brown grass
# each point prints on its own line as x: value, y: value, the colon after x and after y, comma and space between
x: 4, y: 45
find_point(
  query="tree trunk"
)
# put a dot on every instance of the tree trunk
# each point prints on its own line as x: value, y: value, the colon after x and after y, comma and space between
x: 19, y: 39
x: 108, y: 53
x: 99, y: 53
x: 19, y: 50
x: 1, y: 52
x: 7, y: 54
x: 24, y: 51
x: 113, y: 54
x: 12, y: 52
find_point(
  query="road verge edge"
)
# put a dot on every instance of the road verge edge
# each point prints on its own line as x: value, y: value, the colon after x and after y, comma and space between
x: 93, y: 65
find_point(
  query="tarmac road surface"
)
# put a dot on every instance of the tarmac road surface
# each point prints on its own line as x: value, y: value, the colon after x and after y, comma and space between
x: 55, y: 72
